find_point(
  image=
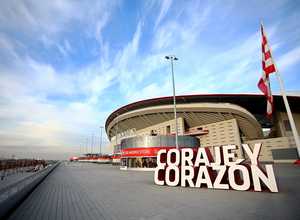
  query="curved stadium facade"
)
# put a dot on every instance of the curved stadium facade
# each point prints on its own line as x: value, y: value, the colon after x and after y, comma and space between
x: 138, y: 130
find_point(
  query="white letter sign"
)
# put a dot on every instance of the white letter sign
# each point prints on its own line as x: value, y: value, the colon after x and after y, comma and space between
x: 195, y: 167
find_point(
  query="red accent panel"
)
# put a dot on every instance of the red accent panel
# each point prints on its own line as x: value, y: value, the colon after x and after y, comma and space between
x: 297, y: 162
x: 145, y: 152
x: 197, y: 132
x: 171, y: 134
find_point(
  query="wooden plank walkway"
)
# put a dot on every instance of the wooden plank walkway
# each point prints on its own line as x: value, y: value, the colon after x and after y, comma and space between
x: 99, y: 191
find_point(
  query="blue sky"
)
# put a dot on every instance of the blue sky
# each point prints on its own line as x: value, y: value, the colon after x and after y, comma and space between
x: 65, y: 66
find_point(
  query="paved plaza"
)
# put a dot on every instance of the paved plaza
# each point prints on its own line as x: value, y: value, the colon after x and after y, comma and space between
x: 100, y: 191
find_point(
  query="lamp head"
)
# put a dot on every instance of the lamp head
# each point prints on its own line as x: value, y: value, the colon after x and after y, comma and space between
x: 167, y: 57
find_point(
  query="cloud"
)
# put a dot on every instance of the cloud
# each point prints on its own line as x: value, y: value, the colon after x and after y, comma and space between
x: 7, y: 48
x: 66, y: 66
x: 165, y: 6
x: 289, y: 59
x: 52, y: 17
x: 41, y: 124
x: 126, y: 60
x: 51, y: 22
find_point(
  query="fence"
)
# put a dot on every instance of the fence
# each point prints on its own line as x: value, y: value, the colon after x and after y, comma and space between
x: 12, y: 194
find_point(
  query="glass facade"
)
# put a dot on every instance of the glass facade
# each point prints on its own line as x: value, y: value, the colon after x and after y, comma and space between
x: 141, y: 162
x: 141, y: 152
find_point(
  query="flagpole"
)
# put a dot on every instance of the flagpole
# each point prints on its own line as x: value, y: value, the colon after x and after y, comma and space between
x: 287, y: 106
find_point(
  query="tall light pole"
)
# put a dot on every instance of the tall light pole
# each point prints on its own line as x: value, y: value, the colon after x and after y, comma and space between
x: 87, y: 144
x: 117, y: 132
x: 101, y: 140
x: 173, y: 57
x: 83, y: 148
x: 92, y: 144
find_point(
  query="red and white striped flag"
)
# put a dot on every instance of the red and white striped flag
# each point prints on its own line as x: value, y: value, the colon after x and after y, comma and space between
x: 267, y: 68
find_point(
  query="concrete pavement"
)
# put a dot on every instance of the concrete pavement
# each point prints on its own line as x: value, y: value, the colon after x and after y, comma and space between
x: 100, y: 191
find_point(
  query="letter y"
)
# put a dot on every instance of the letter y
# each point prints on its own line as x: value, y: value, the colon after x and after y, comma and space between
x: 253, y: 155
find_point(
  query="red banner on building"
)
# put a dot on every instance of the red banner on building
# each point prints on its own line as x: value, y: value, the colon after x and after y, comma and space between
x: 143, y: 152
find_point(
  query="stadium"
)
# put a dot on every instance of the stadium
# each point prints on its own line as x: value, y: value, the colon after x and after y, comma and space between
x: 139, y: 130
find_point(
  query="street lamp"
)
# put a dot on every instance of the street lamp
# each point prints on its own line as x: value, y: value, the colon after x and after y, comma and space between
x: 173, y: 57
x: 117, y: 133
x: 79, y: 151
x: 101, y: 140
x: 87, y: 144
x: 83, y: 148
x: 92, y: 144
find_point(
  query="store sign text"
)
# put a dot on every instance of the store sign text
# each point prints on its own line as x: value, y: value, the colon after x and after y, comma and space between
x: 124, y: 134
x: 135, y: 152
x: 197, y: 168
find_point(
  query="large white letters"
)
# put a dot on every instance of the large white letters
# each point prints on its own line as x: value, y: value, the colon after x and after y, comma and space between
x: 186, y: 157
x: 175, y: 176
x: 201, y: 157
x: 206, y: 178
x: 160, y: 166
x: 233, y: 178
x: 196, y: 168
x: 268, y: 178
x: 253, y: 155
x: 221, y: 173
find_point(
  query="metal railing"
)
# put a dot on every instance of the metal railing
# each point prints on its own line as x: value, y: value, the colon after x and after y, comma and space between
x: 11, y: 188
x: 9, y: 172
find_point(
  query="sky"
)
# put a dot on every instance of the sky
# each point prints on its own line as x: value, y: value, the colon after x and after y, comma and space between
x: 65, y: 66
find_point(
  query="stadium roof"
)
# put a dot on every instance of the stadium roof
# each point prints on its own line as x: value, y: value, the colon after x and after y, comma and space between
x: 255, y: 103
